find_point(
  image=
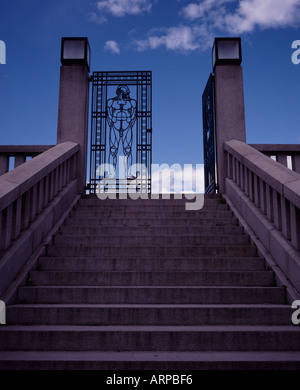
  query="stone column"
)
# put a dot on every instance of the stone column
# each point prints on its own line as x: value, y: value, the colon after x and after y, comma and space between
x: 229, y: 111
x: 73, y: 112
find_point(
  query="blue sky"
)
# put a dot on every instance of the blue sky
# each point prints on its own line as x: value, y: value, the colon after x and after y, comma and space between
x: 173, y: 38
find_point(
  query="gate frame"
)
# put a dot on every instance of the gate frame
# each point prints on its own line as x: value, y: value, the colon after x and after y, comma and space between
x: 142, y: 81
x: 209, y: 137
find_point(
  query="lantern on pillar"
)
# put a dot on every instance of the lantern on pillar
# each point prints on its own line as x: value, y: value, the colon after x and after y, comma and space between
x: 75, y: 51
x: 227, y: 51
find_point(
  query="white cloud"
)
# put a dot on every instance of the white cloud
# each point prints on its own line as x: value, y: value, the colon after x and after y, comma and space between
x: 243, y: 16
x: 202, y: 20
x: 252, y: 14
x: 93, y: 17
x: 180, y: 38
x: 195, y: 11
x: 177, y: 179
x: 121, y: 8
x: 112, y: 46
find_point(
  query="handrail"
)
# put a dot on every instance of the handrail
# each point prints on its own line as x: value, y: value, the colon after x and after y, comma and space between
x: 286, y: 154
x: 270, y: 148
x: 20, y: 153
x: 273, y: 188
x: 24, y: 149
x: 27, y: 190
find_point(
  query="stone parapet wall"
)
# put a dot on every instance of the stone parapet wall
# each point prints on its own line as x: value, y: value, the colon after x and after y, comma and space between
x: 267, y: 196
x: 32, y: 199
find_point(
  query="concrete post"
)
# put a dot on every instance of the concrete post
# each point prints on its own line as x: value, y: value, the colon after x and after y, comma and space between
x: 19, y: 160
x: 4, y: 164
x: 73, y: 113
x: 230, y: 113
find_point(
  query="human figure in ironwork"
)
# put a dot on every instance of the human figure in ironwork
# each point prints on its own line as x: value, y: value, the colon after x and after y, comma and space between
x: 121, y: 117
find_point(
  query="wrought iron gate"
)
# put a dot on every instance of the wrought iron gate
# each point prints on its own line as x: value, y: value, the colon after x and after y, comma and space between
x: 209, y: 137
x: 121, y: 132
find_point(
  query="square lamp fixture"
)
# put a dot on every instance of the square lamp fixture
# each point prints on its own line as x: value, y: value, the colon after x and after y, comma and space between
x: 75, y: 51
x: 227, y: 51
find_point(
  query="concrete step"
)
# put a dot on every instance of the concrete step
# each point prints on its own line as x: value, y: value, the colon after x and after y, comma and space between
x: 146, y: 284
x: 147, y: 360
x: 151, y: 295
x: 150, y: 338
x: 150, y: 231
x: 144, y: 216
x: 147, y: 208
x: 161, y: 241
x: 150, y: 264
x: 149, y: 251
x: 154, y: 198
x: 158, y: 315
x: 158, y: 222
x: 62, y: 278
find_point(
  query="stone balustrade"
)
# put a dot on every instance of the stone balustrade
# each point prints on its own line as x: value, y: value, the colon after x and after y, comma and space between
x: 32, y: 199
x: 267, y: 196
x: 287, y: 155
x: 20, y: 154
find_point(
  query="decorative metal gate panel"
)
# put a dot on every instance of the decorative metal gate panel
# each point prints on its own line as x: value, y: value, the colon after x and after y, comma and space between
x: 209, y: 137
x: 121, y: 132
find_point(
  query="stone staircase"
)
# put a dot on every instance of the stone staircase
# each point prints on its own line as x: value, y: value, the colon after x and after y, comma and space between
x: 147, y: 285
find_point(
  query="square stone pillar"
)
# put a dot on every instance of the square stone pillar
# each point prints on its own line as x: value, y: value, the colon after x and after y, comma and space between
x: 73, y: 109
x: 229, y: 99
x: 229, y: 112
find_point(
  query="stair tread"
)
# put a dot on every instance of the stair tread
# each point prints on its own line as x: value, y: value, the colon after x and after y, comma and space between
x: 157, y: 305
x: 173, y: 215
x: 71, y: 231
x: 162, y: 246
x: 150, y: 328
x: 176, y: 288
x: 148, y: 278
x: 150, y: 355
x: 158, y: 219
x: 153, y: 272
x: 66, y: 236
x: 138, y: 258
